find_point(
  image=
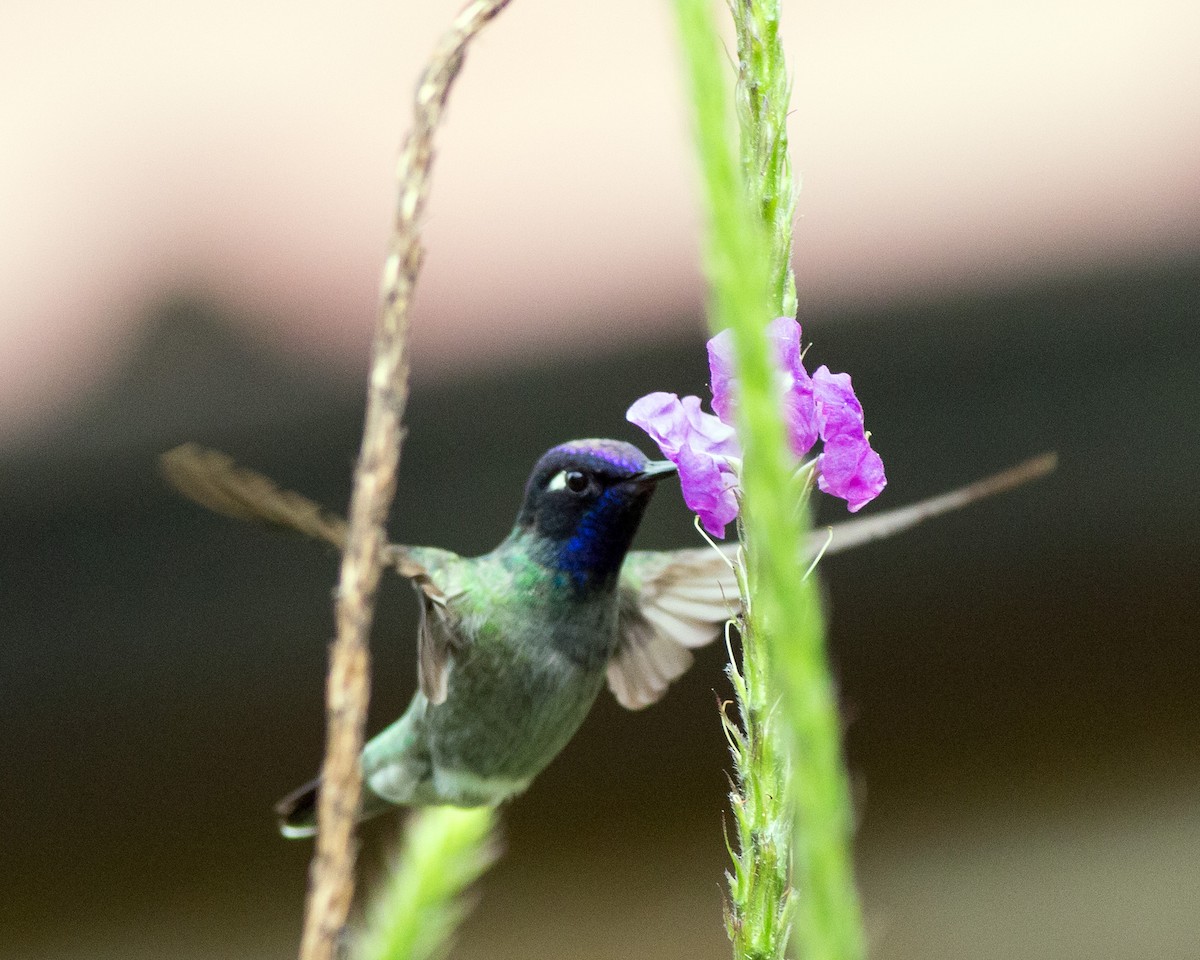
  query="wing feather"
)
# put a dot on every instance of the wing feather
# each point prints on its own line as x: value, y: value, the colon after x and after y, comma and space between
x: 685, y: 630
x: 641, y: 670
x: 433, y: 576
x: 434, y: 644
x: 671, y: 602
x: 215, y: 481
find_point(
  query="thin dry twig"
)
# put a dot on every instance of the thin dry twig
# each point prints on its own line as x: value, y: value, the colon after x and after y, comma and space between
x: 331, y: 876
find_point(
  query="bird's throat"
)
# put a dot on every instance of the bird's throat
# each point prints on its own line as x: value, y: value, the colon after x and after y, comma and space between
x: 589, y: 557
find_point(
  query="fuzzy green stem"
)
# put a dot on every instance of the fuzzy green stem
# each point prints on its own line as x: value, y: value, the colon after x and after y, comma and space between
x: 790, y: 779
x: 417, y: 912
x: 762, y: 101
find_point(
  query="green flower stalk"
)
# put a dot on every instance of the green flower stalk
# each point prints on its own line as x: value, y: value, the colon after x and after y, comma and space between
x: 792, y: 866
x: 446, y: 849
x: 762, y: 99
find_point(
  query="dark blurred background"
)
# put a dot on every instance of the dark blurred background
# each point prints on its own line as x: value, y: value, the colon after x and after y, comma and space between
x: 1018, y: 679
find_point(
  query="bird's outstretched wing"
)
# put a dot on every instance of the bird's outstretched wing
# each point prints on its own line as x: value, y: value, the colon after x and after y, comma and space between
x: 670, y: 602
x: 674, y: 601
x: 215, y: 481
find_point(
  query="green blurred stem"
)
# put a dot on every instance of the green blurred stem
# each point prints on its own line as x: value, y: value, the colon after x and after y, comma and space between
x: 415, y: 915
x: 791, y: 801
x: 762, y: 101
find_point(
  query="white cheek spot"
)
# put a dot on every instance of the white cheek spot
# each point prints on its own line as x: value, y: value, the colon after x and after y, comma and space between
x: 558, y: 481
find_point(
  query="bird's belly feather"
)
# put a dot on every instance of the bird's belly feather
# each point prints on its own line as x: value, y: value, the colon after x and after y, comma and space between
x: 507, y: 722
x: 518, y: 688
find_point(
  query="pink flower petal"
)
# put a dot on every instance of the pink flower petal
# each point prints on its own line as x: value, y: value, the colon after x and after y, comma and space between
x: 720, y: 369
x: 709, y: 489
x: 795, y: 385
x: 709, y: 433
x: 783, y: 333
x: 698, y: 443
x: 663, y: 417
x: 674, y: 424
x: 848, y: 467
x: 799, y: 416
x: 838, y: 407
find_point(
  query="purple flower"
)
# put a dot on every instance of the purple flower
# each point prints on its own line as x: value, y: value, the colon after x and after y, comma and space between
x: 705, y: 448
x: 795, y: 385
x: 848, y: 467
x: 701, y: 446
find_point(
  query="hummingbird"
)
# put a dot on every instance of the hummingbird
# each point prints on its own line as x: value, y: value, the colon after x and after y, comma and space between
x: 515, y: 646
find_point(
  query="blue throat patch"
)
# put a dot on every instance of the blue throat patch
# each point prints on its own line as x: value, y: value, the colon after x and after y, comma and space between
x: 593, y: 555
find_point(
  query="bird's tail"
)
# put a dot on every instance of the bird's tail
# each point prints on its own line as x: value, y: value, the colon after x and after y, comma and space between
x: 298, y: 810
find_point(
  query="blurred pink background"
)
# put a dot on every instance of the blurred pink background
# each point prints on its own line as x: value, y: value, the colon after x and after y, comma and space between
x: 1019, y: 680
x: 245, y: 152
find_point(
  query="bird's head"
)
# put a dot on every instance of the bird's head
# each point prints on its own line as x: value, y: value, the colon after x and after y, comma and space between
x: 583, y: 503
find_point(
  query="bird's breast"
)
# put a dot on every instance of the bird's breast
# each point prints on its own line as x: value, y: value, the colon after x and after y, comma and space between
x: 519, y: 690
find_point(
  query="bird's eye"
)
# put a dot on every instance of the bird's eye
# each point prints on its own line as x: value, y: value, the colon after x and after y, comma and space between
x: 576, y: 481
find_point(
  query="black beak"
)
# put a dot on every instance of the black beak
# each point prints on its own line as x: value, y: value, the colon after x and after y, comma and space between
x: 655, y: 470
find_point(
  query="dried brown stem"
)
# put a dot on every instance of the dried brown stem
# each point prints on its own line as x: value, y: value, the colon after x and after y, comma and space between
x: 331, y: 877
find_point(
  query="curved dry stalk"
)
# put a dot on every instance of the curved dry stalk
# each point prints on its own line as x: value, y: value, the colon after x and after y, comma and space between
x: 331, y: 876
